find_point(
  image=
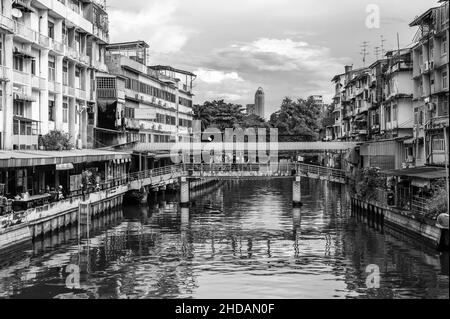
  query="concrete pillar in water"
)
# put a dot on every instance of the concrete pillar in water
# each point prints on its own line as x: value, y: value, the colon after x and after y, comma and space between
x: 297, y: 192
x: 184, y: 217
x: 184, y: 191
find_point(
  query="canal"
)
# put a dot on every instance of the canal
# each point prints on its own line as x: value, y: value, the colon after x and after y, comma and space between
x: 240, y: 239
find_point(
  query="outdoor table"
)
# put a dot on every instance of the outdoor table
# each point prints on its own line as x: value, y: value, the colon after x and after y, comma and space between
x: 31, y: 202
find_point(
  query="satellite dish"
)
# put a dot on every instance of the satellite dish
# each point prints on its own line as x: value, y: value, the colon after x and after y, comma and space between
x: 16, y: 13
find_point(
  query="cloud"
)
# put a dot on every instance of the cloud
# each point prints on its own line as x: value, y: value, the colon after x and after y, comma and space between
x: 214, y: 76
x: 153, y: 22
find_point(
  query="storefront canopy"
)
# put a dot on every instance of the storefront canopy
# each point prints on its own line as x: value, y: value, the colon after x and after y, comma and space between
x: 25, y: 158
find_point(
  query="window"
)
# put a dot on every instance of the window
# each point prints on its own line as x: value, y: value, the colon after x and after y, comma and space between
x: 394, y: 112
x: 1, y: 99
x: 18, y: 63
x: 18, y: 108
x: 444, y: 45
x: 51, y: 110
x: 33, y: 66
x: 65, y: 73
x: 431, y: 49
x: 443, y: 106
x: 77, y: 78
x: 388, y: 114
x: 51, y: 69
x: 65, y: 112
x: 142, y: 138
x: 444, y: 79
x: 1, y: 51
x: 51, y: 30
x: 438, y: 144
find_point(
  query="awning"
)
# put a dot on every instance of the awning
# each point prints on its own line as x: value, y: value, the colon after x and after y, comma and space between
x: 24, y: 119
x: 64, y: 167
x: 28, y: 158
x: 409, y: 141
x: 427, y: 173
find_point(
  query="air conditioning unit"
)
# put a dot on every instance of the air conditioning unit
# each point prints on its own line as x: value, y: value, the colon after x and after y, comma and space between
x: 427, y: 66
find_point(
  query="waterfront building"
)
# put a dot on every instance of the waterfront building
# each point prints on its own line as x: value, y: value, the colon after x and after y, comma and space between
x: 260, y: 103
x: 142, y: 106
x: 339, y: 92
x: 431, y: 85
x: 50, y: 53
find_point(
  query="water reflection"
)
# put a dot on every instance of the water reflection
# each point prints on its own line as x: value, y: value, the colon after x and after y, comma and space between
x: 238, y: 240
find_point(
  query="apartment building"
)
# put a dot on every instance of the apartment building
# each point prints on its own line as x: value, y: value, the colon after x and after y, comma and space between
x: 431, y: 85
x: 353, y: 95
x: 50, y: 51
x: 141, y: 107
x: 337, y: 111
x: 396, y: 110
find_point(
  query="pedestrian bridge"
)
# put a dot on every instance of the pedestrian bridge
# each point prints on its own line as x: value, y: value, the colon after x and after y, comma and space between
x: 182, y: 173
x: 161, y: 177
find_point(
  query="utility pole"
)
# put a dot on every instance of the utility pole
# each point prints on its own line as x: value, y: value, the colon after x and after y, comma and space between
x: 382, y: 45
x: 364, y: 52
x: 377, y: 52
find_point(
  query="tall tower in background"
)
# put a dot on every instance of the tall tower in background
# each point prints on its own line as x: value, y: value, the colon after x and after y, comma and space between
x: 260, y: 103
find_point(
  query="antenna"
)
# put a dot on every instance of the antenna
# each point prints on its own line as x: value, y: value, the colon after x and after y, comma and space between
x: 364, y: 52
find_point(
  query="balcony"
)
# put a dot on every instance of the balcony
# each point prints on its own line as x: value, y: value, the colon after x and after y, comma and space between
x: 101, y: 34
x: 5, y: 74
x: 54, y: 87
x: 22, y: 78
x: 100, y: 66
x: 110, y: 94
x: 68, y: 91
x: 24, y: 94
x: 6, y: 24
x: 24, y: 33
x: 57, y: 47
x: 38, y: 82
x: 80, y: 94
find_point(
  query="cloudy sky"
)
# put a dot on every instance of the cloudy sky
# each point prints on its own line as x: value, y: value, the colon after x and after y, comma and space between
x: 288, y: 47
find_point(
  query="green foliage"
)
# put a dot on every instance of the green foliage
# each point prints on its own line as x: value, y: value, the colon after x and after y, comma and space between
x: 56, y: 141
x: 297, y: 121
x: 438, y: 203
x: 367, y: 181
x: 219, y: 114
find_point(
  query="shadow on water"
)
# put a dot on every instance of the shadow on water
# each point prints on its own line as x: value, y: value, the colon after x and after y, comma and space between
x: 240, y: 240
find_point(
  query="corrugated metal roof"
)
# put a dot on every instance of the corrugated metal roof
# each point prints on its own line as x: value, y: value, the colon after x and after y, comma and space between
x: 419, y: 172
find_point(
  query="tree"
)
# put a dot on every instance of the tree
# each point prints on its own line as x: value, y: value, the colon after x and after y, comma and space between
x: 203, y: 113
x: 219, y: 114
x: 297, y: 121
x: 56, y: 141
x: 254, y: 121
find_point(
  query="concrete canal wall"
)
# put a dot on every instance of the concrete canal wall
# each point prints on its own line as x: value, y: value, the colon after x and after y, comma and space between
x: 378, y: 214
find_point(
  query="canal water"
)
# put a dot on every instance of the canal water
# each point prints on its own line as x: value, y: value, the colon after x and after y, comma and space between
x: 238, y: 240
